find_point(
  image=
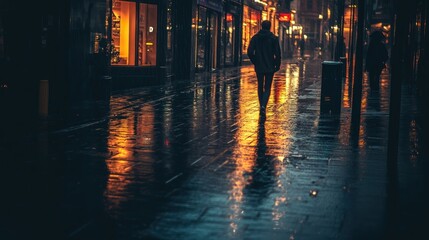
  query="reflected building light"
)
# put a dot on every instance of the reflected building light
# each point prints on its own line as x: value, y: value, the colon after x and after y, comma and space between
x: 119, y: 164
x: 346, y: 97
x: 362, y: 137
x: 245, y: 138
x: 121, y: 142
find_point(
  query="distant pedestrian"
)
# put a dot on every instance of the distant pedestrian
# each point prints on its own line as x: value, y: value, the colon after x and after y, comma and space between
x: 376, y: 58
x: 341, y: 48
x: 264, y: 53
x: 302, y: 47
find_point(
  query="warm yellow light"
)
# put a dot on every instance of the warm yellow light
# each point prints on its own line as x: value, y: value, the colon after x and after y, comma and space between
x: 149, y: 44
x: 313, y: 193
x: 260, y: 2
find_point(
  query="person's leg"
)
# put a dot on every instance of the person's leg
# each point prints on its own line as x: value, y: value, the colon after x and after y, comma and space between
x: 267, y: 88
x: 260, y: 77
x: 377, y: 79
x: 371, y: 76
x: 374, y: 80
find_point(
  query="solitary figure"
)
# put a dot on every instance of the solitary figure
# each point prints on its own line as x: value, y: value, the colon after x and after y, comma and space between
x: 376, y: 58
x: 301, y: 47
x: 264, y: 53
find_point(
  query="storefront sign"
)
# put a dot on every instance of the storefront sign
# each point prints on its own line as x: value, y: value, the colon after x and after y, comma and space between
x: 284, y: 17
x: 213, y: 4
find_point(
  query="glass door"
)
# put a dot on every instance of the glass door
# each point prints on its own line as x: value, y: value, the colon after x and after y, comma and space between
x: 147, y: 34
x: 230, y: 39
x: 201, y: 39
x: 213, y: 39
x: 207, y: 40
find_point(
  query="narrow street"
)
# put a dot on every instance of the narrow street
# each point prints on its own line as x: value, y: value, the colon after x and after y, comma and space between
x: 193, y: 160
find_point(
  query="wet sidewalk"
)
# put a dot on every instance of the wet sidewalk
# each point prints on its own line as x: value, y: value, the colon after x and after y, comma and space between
x: 193, y: 160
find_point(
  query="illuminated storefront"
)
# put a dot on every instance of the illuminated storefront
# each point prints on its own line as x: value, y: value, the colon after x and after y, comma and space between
x: 230, y: 39
x: 232, y: 32
x: 134, y: 33
x: 252, y: 16
x: 251, y: 25
x: 208, y: 25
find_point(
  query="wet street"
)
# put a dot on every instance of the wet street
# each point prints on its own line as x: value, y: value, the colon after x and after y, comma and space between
x: 194, y: 160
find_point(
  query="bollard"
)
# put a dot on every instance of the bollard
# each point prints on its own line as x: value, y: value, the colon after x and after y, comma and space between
x: 105, y: 86
x: 330, y: 97
x: 43, y: 98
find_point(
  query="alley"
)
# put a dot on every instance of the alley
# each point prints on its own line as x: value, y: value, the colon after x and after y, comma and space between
x: 193, y: 160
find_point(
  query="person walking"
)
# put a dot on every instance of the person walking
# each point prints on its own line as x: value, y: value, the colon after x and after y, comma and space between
x: 376, y: 58
x: 264, y: 53
x: 302, y: 47
x: 341, y: 48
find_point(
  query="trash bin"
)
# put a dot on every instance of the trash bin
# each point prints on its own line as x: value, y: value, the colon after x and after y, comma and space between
x: 330, y: 97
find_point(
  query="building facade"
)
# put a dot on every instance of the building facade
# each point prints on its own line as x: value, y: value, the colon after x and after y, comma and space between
x: 311, y: 19
x: 49, y: 57
x: 80, y: 50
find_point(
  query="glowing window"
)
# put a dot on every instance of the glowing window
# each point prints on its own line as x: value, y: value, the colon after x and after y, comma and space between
x: 134, y: 33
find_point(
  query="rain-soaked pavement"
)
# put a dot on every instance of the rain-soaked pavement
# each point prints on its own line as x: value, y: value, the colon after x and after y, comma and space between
x: 193, y: 160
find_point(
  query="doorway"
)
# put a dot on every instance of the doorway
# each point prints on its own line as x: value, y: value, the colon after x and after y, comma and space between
x: 207, y: 40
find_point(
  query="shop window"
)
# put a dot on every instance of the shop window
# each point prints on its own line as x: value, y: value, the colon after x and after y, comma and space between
x: 251, y: 25
x: 134, y: 33
x: 169, y: 52
x: 230, y: 39
x: 201, y: 38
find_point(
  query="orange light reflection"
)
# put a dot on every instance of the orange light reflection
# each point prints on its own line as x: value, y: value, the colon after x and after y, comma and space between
x: 124, y: 135
x: 284, y: 97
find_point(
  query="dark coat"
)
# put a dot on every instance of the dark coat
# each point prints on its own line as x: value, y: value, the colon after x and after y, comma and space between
x: 264, y: 52
x: 376, y: 56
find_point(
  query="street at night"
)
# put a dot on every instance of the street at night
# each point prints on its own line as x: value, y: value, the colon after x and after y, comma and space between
x: 214, y: 119
x: 194, y: 160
